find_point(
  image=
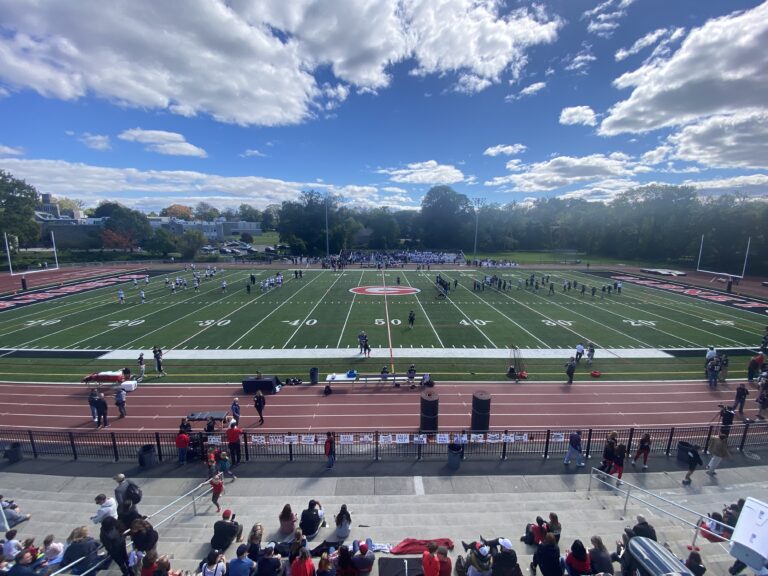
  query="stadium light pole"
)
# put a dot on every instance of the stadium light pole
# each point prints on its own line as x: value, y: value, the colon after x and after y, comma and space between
x: 477, y: 203
x: 327, y: 237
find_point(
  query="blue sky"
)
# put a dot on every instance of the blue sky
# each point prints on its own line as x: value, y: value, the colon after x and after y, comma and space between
x: 376, y: 101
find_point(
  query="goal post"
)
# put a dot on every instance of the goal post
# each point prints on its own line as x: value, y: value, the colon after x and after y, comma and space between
x: 732, y: 273
x: 37, y: 260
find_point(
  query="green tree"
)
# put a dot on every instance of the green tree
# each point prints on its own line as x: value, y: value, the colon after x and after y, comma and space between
x: 206, y: 212
x: 446, y: 219
x: 131, y: 224
x: 248, y: 213
x: 178, y: 211
x: 270, y: 217
x: 161, y: 242
x: 17, y: 208
x: 106, y: 208
x: 246, y: 237
x: 385, y: 233
x: 190, y: 242
x: 70, y: 203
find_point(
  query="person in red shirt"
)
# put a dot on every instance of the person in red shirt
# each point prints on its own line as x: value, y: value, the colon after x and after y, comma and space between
x: 217, y: 485
x: 446, y: 567
x: 302, y: 565
x: 182, y: 443
x: 233, y: 440
x: 577, y: 560
x: 429, y: 562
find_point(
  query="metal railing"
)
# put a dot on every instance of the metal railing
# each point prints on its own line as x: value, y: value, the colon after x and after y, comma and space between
x: 371, y: 445
x: 654, y: 501
x: 103, y: 559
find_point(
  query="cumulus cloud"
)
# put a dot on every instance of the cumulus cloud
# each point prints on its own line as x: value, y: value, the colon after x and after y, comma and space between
x: 162, y: 142
x: 258, y: 63
x: 720, y: 68
x: 578, y: 115
x: 751, y: 185
x: 529, y: 90
x: 250, y: 152
x: 506, y: 149
x: 602, y: 191
x: 96, y: 141
x: 10, y: 151
x: 563, y: 171
x: 429, y: 172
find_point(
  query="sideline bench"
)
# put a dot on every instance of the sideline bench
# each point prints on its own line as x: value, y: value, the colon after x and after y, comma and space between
x: 365, y: 378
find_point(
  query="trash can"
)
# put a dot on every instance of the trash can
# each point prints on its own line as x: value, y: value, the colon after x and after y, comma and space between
x: 682, y: 451
x: 147, y: 456
x: 455, y: 452
x: 314, y: 375
x: 13, y: 452
x: 24, y: 283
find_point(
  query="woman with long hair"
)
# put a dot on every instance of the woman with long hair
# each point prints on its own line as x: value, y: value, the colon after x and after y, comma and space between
x: 287, y: 520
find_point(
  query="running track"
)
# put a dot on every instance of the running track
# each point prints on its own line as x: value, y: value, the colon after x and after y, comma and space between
x: 359, y: 407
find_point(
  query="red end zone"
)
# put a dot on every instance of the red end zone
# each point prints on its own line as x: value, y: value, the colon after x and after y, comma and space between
x: 384, y: 290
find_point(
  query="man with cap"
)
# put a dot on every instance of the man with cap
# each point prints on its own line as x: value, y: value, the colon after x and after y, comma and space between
x: 479, y: 562
x: 242, y: 565
x: 225, y: 531
x: 120, y: 489
x: 364, y: 559
x: 312, y: 519
x: 269, y: 564
x: 505, y: 561
x: 642, y: 528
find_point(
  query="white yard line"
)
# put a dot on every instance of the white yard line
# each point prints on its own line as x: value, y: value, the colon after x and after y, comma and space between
x: 354, y: 295
x: 429, y: 320
x: 309, y: 314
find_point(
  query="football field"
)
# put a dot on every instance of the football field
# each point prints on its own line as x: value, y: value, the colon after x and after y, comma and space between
x: 321, y: 314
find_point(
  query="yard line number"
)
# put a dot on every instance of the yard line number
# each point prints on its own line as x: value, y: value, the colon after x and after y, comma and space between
x: 640, y: 322
x: 476, y: 322
x: 310, y: 322
x: 382, y: 322
x: 206, y: 323
x: 122, y: 323
x: 42, y: 322
x: 558, y: 322
x: 720, y: 322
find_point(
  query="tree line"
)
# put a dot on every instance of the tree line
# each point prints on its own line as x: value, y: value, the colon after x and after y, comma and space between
x: 652, y: 223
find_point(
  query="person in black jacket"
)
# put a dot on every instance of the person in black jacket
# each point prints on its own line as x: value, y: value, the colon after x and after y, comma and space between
x: 81, y: 546
x: 312, y: 519
x: 642, y: 528
x: 101, y: 411
x: 547, y: 558
x: 504, y: 562
x: 114, y: 543
x: 143, y: 535
x: 225, y: 531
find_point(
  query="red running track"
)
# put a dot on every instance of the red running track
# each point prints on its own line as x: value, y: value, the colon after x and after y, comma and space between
x: 524, y: 406
x: 45, y: 278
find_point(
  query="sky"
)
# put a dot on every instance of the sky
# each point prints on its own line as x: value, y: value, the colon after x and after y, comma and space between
x: 376, y: 101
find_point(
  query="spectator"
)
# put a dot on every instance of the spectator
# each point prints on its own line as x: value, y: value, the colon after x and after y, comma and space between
x: 297, y: 544
x: 233, y: 441
x: 121, y: 488
x: 269, y: 563
x: 599, y: 557
x: 534, y: 533
x: 254, y: 542
x: 182, y: 444
x: 342, y: 563
x: 577, y: 561
x: 324, y: 566
x: 574, y: 449
x: 643, y: 449
x: 287, y: 520
x: 430, y: 565
x: 719, y: 450
x: 343, y: 523
x: 12, y: 546
x: 163, y: 568
x: 446, y: 568
x: 26, y: 565
x: 13, y: 513
x: 741, y: 398
x: 330, y: 449
x: 81, y: 545
x: 143, y: 536
x: 225, y: 531
x: 127, y: 513
x: 608, y: 451
x: 114, y: 543
x: 93, y: 395
x: 185, y: 426
x: 547, y: 558
x: 101, y: 411
x: 312, y: 519
x: 505, y: 562
x: 554, y: 526
x: 242, y: 565
x: 364, y: 559
x: 643, y: 528
x: 694, y: 461
x: 107, y: 508
x: 215, y: 564
x: 694, y: 564
x: 149, y: 563
x: 301, y: 565
x: 479, y: 562
x: 52, y: 551
x: 618, y: 463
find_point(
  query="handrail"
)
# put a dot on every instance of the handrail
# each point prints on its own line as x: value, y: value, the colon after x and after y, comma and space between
x: 97, y: 565
x: 602, y: 477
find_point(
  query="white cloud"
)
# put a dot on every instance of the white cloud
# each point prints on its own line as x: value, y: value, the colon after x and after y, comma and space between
x: 470, y: 84
x: 657, y: 155
x: 529, y: 90
x: 648, y: 40
x: 506, y: 149
x: 720, y: 68
x: 602, y: 191
x: 10, y: 151
x: 257, y: 63
x: 751, y: 185
x: 429, y: 172
x: 96, y: 141
x: 725, y: 141
x: 603, y: 18
x: 578, y: 115
x: 162, y: 142
x: 250, y: 152
x: 581, y: 61
x: 562, y: 171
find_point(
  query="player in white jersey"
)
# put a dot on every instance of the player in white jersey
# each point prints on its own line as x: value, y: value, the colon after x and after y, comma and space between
x: 146, y: 279
x: 121, y: 296
x: 223, y: 285
x: 142, y: 296
x: 135, y: 283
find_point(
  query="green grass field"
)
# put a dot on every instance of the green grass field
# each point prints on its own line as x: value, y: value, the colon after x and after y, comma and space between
x: 314, y: 321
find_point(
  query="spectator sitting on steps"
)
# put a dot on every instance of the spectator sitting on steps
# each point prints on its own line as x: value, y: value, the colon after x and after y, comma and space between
x: 225, y: 531
x: 312, y: 519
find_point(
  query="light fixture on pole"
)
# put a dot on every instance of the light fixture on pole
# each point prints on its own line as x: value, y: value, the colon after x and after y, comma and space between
x: 478, y: 203
x: 327, y: 237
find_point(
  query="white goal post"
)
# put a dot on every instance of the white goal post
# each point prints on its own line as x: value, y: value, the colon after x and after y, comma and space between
x: 731, y: 274
x: 25, y: 272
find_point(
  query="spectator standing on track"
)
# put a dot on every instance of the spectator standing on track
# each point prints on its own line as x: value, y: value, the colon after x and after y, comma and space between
x: 330, y: 449
x: 694, y: 461
x: 120, y: 396
x: 644, y: 448
x: 570, y: 369
x: 101, y: 411
x: 142, y: 367
x: 718, y: 447
x: 753, y: 369
x: 235, y: 410
x: 741, y: 397
x: 259, y: 402
x: 233, y: 441
x: 93, y: 395
x: 361, y: 339
x: 158, y: 354
x: 574, y: 449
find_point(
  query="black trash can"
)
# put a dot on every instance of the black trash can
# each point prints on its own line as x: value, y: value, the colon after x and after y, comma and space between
x: 13, y: 452
x: 314, y: 375
x: 147, y: 456
x: 682, y: 451
x: 455, y: 452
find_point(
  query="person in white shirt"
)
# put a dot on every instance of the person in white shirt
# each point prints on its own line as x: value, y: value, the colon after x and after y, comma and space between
x: 107, y: 507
